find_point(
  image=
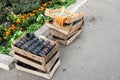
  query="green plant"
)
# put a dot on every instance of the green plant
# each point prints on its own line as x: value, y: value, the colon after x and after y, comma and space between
x: 27, y: 20
x: 33, y: 27
x: 6, y: 49
x: 24, y: 6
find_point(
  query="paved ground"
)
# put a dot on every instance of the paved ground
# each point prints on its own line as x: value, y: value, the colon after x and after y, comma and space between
x: 95, y: 55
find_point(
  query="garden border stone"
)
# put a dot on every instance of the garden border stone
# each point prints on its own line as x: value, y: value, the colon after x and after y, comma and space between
x: 6, y: 62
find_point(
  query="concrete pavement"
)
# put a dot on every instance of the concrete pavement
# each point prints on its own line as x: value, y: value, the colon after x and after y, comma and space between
x: 95, y: 54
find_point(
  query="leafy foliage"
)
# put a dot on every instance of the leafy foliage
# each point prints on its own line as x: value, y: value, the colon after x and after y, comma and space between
x: 31, y: 17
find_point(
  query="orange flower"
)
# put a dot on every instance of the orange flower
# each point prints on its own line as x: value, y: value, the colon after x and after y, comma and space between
x: 33, y: 10
x: 36, y: 10
x: 7, y: 33
x: 44, y: 5
x: 12, y: 26
x: 22, y: 17
x: 20, y: 29
x: 18, y: 21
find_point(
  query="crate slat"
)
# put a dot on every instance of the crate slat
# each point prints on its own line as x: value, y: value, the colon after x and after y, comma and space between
x: 66, y: 42
x: 38, y: 73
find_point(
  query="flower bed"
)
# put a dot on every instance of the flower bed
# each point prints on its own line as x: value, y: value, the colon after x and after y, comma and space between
x: 26, y: 21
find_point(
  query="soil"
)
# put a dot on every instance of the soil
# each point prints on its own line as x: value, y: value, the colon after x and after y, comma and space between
x: 3, y: 20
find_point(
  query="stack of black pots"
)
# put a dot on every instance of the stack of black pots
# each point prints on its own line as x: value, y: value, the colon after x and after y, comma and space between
x: 32, y: 44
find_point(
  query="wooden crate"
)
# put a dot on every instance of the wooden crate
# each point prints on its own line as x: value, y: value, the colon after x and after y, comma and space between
x: 64, y: 36
x: 63, y: 12
x: 47, y: 75
x: 66, y: 30
x: 66, y: 41
x: 42, y: 63
x: 43, y: 67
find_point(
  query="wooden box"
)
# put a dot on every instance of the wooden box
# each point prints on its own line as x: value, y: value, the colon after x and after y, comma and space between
x: 47, y: 75
x: 44, y: 65
x: 67, y: 41
x: 67, y: 29
x: 63, y: 12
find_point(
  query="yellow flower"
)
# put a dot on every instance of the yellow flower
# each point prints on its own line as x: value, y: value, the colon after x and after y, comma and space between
x: 18, y: 21
x: 31, y: 14
x: 9, y: 28
x: 23, y: 19
x: 27, y: 18
x: 41, y: 8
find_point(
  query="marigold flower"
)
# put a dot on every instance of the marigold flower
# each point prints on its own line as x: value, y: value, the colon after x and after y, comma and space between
x: 9, y: 28
x: 36, y: 10
x: 33, y: 10
x: 31, y: 14
x: 7, y: 33
x: 12, y: 26
x: 27, y: 18
x: 41, y: 8
x: 20, y: 28
x: 22, y: 17
x: 18, y: 21
x: 44, y: 5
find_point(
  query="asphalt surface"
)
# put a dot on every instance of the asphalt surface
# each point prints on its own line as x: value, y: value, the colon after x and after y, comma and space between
x: 95, y: 54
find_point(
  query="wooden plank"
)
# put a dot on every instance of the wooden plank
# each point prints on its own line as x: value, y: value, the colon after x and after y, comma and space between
x: 57, y: 33
x: 52, y: 52
x: 52, y: 62
x: 58, y: 40
x: 63, y: 12
x: 63, y: 36
x: 67, y: 42
x: 55, y: 68
x: 43, y: 60
x: 73, y: 38
x: 66, y: 28
x: 27, y: 54
x: 58, y: 29
x: 77, y: 26
x: 45, y: 75
x: 26, y: 61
